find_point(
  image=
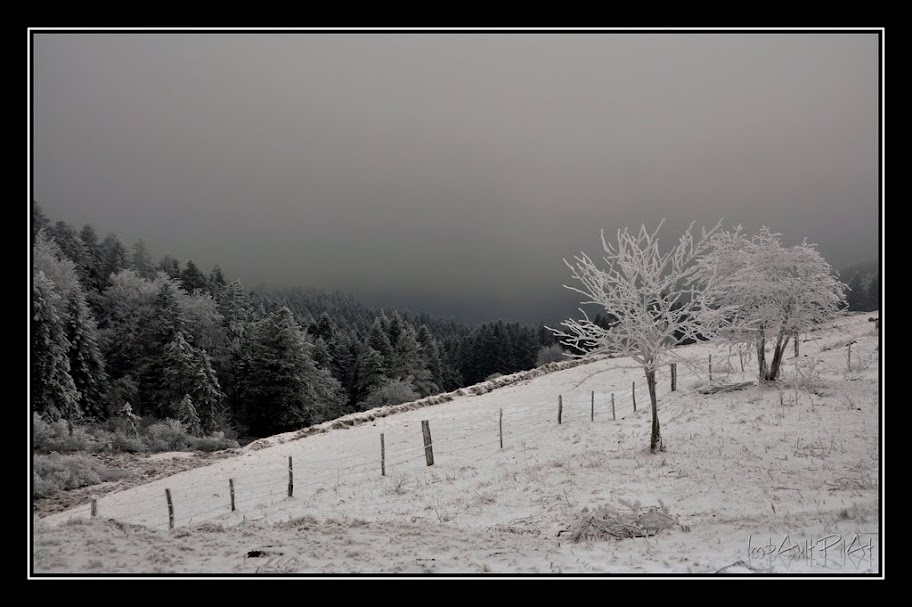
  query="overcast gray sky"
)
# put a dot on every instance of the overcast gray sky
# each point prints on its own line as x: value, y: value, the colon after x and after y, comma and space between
x: 451, y: 173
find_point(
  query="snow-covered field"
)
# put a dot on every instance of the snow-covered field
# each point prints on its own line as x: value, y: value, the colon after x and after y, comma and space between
x: 781, y: 466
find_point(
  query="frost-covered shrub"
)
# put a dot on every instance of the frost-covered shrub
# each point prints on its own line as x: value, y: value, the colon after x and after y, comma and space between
x: 55, y: 436
x: 550, y: 354
x: 118, y: 435
x: 393, y: 392
x: 53, y: 472
x: 214, y: 442
x: 127, y: 442
x: 167, y: 435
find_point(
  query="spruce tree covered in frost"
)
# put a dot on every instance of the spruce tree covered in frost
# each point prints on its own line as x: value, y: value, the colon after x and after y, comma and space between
x: 773, y: 291
x: 187, y: 371
x: 279, y: 384
x: 54, y: 392
x: 87, y: 366
x: 370, y: 373
x: 186, y: 413
x: 654, y: 297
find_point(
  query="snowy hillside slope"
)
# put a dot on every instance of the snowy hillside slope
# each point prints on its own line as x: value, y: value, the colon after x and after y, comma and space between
x: 742, y: 469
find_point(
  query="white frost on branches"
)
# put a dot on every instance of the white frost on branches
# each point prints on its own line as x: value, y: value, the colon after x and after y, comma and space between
x: 654, y: 300
x: 771, y: 291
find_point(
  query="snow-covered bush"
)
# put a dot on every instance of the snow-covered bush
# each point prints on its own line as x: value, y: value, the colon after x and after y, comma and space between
x: 393, y: 392
x: 53, y: 472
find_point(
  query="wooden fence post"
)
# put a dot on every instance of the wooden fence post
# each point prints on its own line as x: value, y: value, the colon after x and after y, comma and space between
x: 428, y: 445
x: 170, y: 509
x: 500, y: 427
x: 290, y: 478
x: 741, y: 358
x: 94, y: 506
x: 710, y: 367
x: 231, y: 491
x: 382, y: 455
x: 796, y: 343
x: 674, y: 376
x: 633, y: 392
x: 592, y: 413
x: 613, y: 416
x: 560, y: 407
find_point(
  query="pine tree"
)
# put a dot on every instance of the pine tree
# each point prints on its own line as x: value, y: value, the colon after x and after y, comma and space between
x: 170, y: 266
x: 57, y: 267
x: 92, y: 260
x: 217, y: 280
x: 53, y: 390
x: 321, y: 355
x: 405, y: 359
x: 208, y: 395
x: 429, y: 352
x: 154, y: 336
x: 186, y: 413
x: 344, y: 352
x: 323, y: 328
x: 142, y: 261
x: 39, y: 219
x: 69, y: 242
x: 188, y: 371
x: 380, y: 342
x: 126, y: 320
x: 279, y: 384
x: 178, y: 370
x: 370, y: 373
x: 87, y: 367
x: 113, y: 256
x: 192, y: 278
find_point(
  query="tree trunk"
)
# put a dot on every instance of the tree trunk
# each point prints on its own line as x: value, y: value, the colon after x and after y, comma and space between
x: 761, y: 355
x: 656, y: 440
x: 781, y: 342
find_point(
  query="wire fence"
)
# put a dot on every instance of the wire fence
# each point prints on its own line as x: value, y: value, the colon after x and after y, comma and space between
x: 255, y: 489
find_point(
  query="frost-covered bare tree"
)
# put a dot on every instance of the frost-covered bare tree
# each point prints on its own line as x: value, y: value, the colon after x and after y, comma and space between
x: 654, y: 298
x: 772, y: 291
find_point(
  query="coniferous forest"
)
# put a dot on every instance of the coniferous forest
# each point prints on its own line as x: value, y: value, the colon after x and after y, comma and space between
x: 120, y: 339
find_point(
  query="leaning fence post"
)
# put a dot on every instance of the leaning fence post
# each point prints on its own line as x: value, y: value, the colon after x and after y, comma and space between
x: 170, y: 509
x: 500, y: 427
x: 633, y: 391
x: 428, y: 445
x: 231, y: 491
x: 290, y: 478
x: 560, y: 407
x: 613, y: 416
x: 382, y: 455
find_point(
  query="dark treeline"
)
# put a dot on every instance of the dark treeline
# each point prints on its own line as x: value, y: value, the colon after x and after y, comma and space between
x: 864, y: 287
x: 118, y: 335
